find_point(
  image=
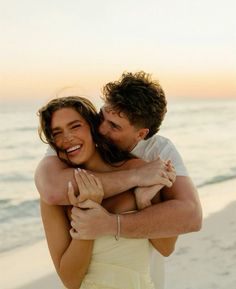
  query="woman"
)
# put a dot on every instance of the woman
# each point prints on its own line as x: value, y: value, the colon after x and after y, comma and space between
x: 70, y: 125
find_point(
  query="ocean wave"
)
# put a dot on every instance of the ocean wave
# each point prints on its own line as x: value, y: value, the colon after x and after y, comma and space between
x: 15, y: 177
x: 4, y: 202
x: 217, y: 179
x: 19, y: 129
x: 18, y: 157
x: 25, y: 209
x: 20, y: 223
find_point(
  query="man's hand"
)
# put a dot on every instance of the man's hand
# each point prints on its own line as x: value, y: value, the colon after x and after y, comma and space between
x: 91, y: 221
x: 156, y: 172
x: 166, y: 173
x: 144, y: 195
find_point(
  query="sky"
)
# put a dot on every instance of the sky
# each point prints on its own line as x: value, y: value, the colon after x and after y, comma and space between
x: 49, y: 45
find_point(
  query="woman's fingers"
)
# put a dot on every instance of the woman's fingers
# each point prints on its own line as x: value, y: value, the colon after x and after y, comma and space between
x: 89, y: 204
x: 71, y: 194
x: 83, y: 192
x: 98, y: 183
x: 90, y: 186
x: 87, y: 179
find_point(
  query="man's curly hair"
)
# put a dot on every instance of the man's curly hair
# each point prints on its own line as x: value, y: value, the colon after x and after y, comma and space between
x: 140, y: 98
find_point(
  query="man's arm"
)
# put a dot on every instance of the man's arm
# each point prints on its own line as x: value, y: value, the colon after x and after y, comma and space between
x: 179, y: 213
x: 52, y: 177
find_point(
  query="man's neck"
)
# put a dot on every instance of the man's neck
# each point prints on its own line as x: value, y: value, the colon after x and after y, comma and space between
x: 134, y: 146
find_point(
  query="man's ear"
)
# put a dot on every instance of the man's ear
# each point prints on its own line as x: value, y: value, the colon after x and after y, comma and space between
x: 142, y: 133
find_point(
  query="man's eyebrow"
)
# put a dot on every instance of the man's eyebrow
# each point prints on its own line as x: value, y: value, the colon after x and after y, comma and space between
x: 114, y: 124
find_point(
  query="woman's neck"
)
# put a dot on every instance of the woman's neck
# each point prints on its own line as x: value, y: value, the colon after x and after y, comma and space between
x: 97, y: 164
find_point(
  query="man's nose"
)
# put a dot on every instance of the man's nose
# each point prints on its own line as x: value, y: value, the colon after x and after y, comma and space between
x: 103, y: 129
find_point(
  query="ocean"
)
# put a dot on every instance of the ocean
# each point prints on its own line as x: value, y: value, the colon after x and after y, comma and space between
x: 202, y: 130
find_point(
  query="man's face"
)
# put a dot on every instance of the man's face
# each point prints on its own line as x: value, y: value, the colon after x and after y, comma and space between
x: 118, y: 129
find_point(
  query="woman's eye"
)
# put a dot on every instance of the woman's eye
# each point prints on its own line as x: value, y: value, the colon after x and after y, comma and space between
x: 76, y: 126
x: 55, y: 133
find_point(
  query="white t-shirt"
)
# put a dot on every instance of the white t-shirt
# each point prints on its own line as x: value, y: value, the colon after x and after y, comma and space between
x: 157, y: 145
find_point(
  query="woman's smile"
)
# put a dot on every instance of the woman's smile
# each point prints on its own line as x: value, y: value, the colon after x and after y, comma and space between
x: 74, y: 149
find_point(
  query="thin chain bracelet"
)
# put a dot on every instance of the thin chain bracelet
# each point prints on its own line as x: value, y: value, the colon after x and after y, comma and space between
x: 117, y: 236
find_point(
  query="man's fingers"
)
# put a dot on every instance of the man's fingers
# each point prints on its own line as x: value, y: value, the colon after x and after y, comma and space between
x: 172, y: 176
x: 75, y: 211
x: 165, y: 182
x: 74, y: 234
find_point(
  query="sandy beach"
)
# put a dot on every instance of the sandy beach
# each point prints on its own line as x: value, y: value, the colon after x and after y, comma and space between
x: 206, y: 259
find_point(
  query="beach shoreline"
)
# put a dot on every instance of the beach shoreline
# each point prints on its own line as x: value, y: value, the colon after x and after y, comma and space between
x: 201, y: 260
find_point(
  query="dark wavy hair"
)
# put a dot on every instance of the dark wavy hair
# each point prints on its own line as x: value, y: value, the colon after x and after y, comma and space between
x: 140, y: 98
x: 108, y: 151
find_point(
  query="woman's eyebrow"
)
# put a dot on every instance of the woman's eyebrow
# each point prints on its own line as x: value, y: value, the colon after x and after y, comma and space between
x: 74, y: 121
x: 69, y: 124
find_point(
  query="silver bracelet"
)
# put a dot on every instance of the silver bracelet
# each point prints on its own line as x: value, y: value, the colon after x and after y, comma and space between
x: 117, y: 236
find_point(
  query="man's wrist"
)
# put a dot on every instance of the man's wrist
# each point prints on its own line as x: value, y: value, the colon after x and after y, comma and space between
x: 134, y: 178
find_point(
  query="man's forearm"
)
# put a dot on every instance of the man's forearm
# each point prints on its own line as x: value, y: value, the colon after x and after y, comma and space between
x: 167, y: 219
x: 117, y: 182
x: 52, y: 177
x: 179, y: 213
x: 52, y: 181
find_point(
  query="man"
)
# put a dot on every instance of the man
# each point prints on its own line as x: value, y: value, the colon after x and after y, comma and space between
x: 131, y: 116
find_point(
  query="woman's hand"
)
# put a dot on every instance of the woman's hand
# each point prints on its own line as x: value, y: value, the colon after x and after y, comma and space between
x: 90, y: 187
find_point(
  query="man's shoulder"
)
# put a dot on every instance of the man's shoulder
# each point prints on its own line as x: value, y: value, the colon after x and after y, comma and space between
x: 155, y: 142
x: 153, y: 146
x: 159, y: 146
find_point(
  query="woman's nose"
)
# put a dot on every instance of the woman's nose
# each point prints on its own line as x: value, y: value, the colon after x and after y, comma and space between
x: 68, y: 136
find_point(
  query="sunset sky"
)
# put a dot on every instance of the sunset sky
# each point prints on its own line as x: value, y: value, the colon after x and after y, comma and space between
x: 189, y: 45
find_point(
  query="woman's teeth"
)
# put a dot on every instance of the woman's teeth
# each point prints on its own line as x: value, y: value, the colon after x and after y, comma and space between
x: 73, y: 148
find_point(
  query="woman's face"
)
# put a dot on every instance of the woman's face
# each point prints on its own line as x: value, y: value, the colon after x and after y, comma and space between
x: 72, y: 133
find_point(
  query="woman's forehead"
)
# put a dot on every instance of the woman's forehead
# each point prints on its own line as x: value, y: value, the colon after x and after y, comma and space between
x: 64, y: 115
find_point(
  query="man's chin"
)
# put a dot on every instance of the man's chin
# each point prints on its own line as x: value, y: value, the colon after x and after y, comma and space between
x: 112, y: 143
